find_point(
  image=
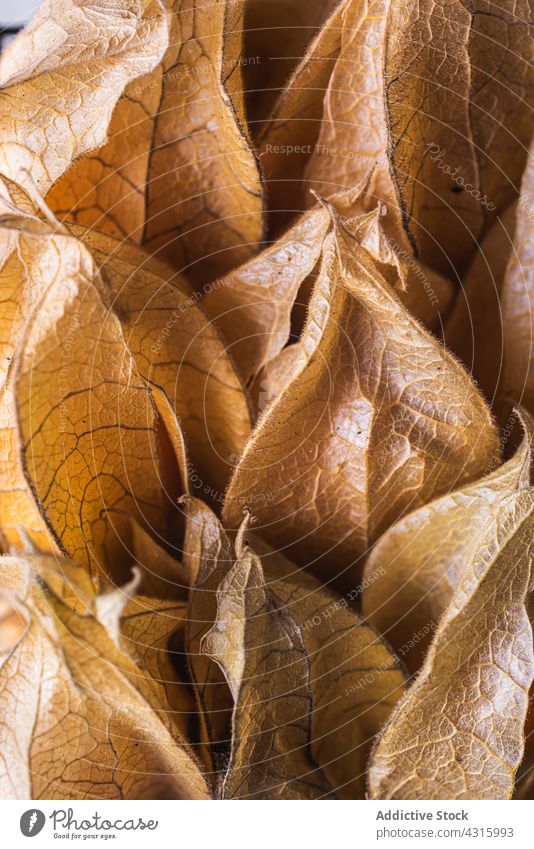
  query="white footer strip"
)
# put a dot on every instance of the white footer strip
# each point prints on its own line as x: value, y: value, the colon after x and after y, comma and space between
x: 256, y: 825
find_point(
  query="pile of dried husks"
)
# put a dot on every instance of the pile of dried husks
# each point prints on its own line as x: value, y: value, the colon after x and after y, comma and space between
x: 266, y: 490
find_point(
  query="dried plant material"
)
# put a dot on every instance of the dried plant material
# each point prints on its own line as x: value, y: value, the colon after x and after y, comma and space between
x: 276, y: 375
x: 491, y: 325
x: 358, y: 437
x: 87, y: 421
x: 13, y: 621
x: 27, y: 268
x: 241, y: 247
x: 262, y: 656
x: 281, y: 641
x: 426, y: 293
x: 458, y: 734
x: 357, y: 94
x: 18, y: 507
x: 172, y: 450
x: 108, y: 606
x: 62, y: 77
x: 355, y: 681
x: 30, y: 271
x: 113, y: 742
x: 162, y: 575
x: 290, y: 26
x: 458, y: 159
x: 417, y: 565
x: 526, y: 787
x: 209, y: 556
x: 177, y: 350
x: 474, y: 330
x: 518, y: 300
x: 177, y: 174
x: 16, y: 205
x: 396, y: 95
x: 232, y: 62
x: 152, y: 634
x: 287, y: 138
x: 132, y: 255
x: 252, y: 305
x: 428, y: 296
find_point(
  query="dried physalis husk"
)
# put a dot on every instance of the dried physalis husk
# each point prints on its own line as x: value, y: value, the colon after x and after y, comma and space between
x: 78, y: 693
x: 378, y: 420
x: 179, y: 352
x: 387, y: 82
x: 309, y: 681
x: 417, y: 565
x: 61, y: 79
x: 459, y: 732
x: 86, y: 419
x: 177, y: 173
